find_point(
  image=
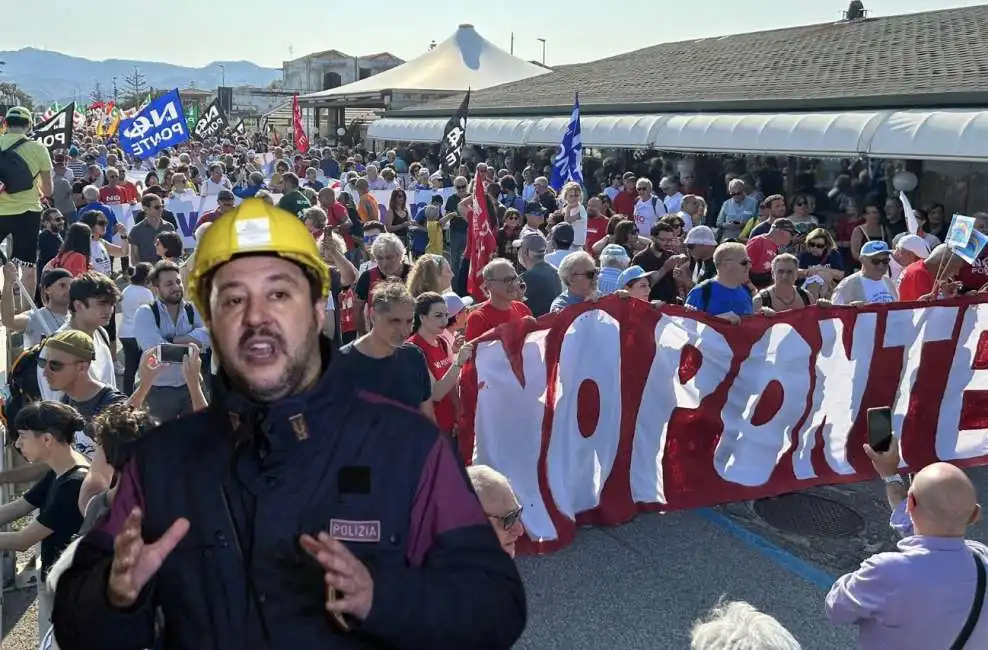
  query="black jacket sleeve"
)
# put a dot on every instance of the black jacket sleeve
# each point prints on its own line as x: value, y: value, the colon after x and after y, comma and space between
x: 462, y: 590
x: 82, y: 615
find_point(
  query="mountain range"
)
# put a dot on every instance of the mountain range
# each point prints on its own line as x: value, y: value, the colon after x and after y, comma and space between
x: 51, y: 76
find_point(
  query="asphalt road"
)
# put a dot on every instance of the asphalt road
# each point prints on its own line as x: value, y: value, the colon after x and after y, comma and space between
x: 641, y: 585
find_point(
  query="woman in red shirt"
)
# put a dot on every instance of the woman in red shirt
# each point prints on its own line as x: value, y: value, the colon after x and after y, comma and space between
x: 75, y: 251
x: 431, y: 318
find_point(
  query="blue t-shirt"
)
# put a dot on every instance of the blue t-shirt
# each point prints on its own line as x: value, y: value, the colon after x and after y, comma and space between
x: 722, y: 299
x: 330, y: 167
x: 419, y: 239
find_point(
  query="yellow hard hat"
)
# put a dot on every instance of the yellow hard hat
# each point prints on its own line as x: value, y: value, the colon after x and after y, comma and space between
x: 254, y: 227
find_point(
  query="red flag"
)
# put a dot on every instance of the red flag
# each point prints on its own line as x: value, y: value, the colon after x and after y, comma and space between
x: 481, y: 243
x: 301, y: 140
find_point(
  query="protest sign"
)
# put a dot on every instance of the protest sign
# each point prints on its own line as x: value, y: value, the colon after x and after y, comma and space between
x: 160, y: 124
x: 186, y: 211
x: 689, y: 411
x: 56, y: 132
x: 211, y: 123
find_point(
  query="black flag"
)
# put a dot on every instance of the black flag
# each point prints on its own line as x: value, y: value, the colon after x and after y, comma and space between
x: 211, y: 123
x: 455, y: 138
x: 240, y: 129
x: 56, y: 133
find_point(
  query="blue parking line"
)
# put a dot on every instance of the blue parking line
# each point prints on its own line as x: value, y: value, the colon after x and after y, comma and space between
x: 815, y: 576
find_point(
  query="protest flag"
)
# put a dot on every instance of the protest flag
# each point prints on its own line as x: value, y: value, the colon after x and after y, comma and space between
x: 301, y: 140
x: 481, y: 243
x: 567, y: 165
x: 455, y: 138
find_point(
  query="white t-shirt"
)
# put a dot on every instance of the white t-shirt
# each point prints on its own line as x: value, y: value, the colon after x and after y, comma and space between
x: 99, y: 258
x: 876, y: 292
x: 673, y: 203
x: 579, y: 227
x: 41, y: 323
x: 209, y: 188
x: 133, y: 296
x: 646, y: 214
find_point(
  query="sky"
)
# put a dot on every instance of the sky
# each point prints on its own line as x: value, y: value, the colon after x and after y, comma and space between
x: 228, y: 30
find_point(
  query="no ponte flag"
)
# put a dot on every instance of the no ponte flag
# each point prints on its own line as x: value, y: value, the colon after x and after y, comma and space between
x: 455, y: 138
x: 56, y: 131
x: 567, y: 165
x: 240, y: 129
x: 211, y: 123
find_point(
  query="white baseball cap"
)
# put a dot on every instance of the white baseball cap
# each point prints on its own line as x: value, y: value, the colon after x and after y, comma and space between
x: 914, y: 244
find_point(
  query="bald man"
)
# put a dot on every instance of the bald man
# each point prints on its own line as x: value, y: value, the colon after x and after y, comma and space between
x: 499, y: 502
x: 930, y: 592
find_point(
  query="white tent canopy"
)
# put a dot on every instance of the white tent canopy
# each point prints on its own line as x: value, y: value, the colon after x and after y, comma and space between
x: 465, y: 60
x: 947, y: 134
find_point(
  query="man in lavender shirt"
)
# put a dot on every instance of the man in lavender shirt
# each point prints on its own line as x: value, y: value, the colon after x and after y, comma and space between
x: 920, y: 598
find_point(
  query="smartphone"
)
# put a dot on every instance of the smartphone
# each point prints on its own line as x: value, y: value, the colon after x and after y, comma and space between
x: 172, y: 353
x: 880, y: 428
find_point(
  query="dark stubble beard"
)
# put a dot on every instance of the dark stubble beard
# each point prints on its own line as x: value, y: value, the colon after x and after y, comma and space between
x: 301, y: 371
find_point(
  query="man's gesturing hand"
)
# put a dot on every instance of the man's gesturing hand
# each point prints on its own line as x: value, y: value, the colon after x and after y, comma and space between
x: 344, y: 573
x: 134, y: 562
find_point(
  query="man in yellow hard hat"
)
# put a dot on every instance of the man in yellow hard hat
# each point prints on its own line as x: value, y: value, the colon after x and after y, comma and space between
x: 292, y: 513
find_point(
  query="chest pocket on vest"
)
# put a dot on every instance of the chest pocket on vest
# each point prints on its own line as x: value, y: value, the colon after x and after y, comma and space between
x: 367, y: 525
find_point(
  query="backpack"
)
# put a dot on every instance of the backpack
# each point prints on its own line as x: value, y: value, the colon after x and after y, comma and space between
x: 189, y: 312
x: 22, y: 387
x: 766, y: 297
x: 348, y: 316
x: 15, y: 174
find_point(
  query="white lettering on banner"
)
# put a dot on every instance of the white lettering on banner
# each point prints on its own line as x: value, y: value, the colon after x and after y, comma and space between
x: 954, y: 440
x: 748, y: 453
x: 576, y: 450
x: 144, y: 145
x: 841, y: 380
x: 210, y: 123
x: 142, y: 124
x: 672, y: 335
x: 910, y: 329
x: 186, y: 215
x: 512, y: 437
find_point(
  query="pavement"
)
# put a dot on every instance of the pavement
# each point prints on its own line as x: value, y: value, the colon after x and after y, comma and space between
x: 643, y: 584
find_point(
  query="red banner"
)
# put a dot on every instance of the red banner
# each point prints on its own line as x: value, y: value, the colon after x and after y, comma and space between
x: 301, y: 140
x: 607, y: 409
x: 481, y: 242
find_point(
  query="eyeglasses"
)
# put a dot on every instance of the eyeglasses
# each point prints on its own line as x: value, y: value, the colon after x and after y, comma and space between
x: 880, y: 261
x: 816, y: 244
x: 590, y: 275
x: 510, y: 519
x: 461, y: 187
x: 53, y: 365
x: 511, y: 279
x: 737, y: 194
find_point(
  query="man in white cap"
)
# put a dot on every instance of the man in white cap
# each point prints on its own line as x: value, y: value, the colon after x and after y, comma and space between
x: 700, y: 244
x: 908, y: 249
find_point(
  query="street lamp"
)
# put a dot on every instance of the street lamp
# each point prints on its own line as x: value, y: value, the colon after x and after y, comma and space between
x: 222, y: 73
x: 542, y: 40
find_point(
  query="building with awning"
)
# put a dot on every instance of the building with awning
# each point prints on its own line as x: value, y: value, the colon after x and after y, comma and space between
x: 905, y: 87
x: 465, y: 60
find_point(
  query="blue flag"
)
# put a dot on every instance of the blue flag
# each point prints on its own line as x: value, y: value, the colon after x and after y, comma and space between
x: 567, y: 165
x: 159, y: 125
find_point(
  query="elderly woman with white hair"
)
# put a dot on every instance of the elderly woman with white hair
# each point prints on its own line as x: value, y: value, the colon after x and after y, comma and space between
x: 739, y: 626
x: 614, y: 260
x: 388, y: 252
x: 578, y: 273
x: 499, y: 503
x: 736, y: 211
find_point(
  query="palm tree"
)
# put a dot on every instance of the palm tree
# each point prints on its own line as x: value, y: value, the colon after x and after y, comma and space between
x: 11, y: 94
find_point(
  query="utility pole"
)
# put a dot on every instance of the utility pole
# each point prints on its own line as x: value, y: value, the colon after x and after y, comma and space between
x: 542, y: 40
x: 222, y: 73
x: 116, y: 95
x: 512, y: 50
